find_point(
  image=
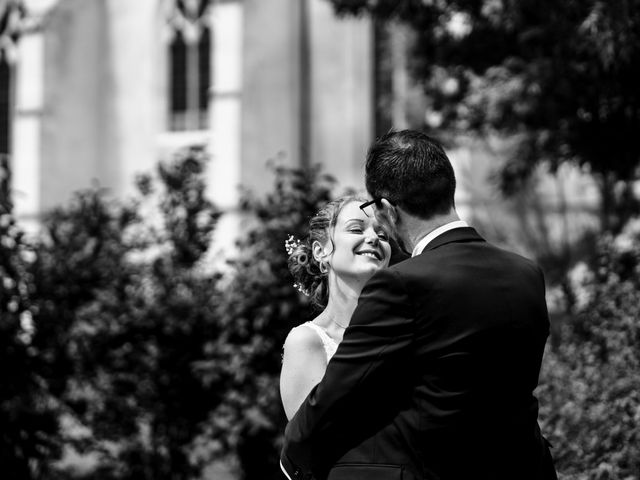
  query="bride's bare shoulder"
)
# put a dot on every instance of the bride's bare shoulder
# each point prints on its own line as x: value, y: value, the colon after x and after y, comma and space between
x: 303, y: 337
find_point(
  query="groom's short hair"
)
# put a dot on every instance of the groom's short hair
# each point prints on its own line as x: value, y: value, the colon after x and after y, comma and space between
x: 412, y: 171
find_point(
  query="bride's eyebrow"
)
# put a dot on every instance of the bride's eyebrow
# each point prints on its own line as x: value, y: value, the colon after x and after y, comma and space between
x: 351, y: 220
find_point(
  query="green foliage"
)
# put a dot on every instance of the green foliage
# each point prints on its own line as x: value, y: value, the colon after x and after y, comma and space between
x: 258, y: 308
x: 590, y: 389
x: 122, y: 310
x: 560, y: 76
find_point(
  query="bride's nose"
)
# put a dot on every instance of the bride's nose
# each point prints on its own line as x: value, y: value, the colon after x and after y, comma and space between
x: 372, y: 238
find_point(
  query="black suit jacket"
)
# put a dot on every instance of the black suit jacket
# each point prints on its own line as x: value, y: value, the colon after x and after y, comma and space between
x: 435, y: 375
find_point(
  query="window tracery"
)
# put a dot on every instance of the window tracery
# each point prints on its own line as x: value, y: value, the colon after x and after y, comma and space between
x: 189, y: 65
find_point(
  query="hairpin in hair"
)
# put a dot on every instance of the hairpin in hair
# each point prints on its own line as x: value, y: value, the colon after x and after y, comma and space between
x: 291, y: 243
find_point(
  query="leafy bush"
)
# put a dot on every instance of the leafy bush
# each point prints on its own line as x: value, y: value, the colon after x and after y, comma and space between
x: 590, y: 388
x: 124, y: 356
x: 122, y: 310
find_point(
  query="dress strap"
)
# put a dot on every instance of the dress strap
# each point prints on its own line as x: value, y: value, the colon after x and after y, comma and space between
x: 329, y: 344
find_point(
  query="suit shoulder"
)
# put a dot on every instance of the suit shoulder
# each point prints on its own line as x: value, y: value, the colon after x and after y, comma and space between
x: 389, y: 278
x: 520, y: 258
x: 409, y: 266
x: 524, y: 264
x: 387, y: 283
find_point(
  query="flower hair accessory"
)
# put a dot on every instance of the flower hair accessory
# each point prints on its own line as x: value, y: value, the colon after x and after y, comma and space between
x: 291, y: 243
x: 301, y: 289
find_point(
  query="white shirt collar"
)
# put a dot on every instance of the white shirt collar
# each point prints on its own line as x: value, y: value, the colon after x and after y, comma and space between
x: 420, y: 246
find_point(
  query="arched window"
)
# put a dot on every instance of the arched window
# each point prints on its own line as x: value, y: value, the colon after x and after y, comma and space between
x: 189, y: 65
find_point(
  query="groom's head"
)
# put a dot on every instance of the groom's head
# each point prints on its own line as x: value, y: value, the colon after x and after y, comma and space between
x: 412, y: 171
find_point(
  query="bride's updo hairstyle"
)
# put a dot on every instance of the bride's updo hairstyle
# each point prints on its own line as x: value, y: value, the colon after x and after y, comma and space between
x: 310, y: 275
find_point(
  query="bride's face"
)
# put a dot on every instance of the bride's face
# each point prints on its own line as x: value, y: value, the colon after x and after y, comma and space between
x: 360, y: 245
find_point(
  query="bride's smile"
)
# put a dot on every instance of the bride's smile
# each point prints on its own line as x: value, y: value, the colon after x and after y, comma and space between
x: 375, y: 254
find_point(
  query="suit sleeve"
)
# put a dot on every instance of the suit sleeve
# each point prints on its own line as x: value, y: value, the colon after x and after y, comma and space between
x: 374, y: 349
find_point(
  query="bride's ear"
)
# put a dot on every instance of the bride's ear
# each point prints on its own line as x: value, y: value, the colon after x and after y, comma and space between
x: 318, y: 251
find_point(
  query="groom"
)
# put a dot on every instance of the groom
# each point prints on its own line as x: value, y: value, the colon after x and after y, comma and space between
x: 434, y: 378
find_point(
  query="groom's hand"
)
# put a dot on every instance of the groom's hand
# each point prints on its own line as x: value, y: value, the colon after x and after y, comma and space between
x: 295, y: 458
x: 291, y: 471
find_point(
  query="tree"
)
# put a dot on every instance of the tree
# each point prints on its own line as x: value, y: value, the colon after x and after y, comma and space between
x: 123, y: 309
x: 560, y: 76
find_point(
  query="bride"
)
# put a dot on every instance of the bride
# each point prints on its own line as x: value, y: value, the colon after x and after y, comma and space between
x: 343, y: 249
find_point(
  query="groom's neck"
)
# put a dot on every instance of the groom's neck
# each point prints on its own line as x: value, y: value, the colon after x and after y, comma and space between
x: 415, y: 228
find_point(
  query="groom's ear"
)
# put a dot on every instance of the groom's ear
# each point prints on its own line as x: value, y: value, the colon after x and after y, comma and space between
x: 389, y: 209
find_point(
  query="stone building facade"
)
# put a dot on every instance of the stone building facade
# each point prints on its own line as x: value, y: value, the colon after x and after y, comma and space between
x: 100, y: 90
x: 97, y: 91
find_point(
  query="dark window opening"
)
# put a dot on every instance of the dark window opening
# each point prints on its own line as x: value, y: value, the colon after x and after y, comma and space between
x: 190, y: 76
x: 5, y: 106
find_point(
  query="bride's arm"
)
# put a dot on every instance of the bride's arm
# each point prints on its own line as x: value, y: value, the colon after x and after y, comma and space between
x: 303, y: 365
x: 372, y: 358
